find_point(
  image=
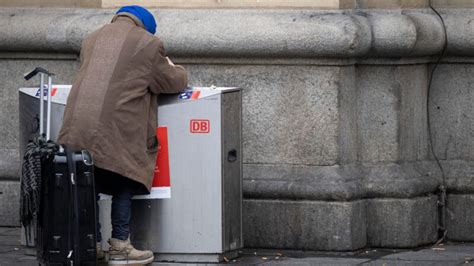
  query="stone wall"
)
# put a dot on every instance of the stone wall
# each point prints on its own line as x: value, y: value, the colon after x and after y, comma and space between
x: 312, y: 4
x: 336, y: 146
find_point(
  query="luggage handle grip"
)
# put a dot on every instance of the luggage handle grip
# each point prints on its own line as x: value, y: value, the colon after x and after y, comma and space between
x: 36, y: 71
x: 43, y: 72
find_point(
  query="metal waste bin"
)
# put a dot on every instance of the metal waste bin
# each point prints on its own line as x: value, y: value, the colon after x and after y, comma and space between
x: 202, y: 219
x: 194, y: 213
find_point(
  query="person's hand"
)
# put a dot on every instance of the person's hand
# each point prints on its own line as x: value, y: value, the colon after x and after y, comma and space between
x: 169, y: 61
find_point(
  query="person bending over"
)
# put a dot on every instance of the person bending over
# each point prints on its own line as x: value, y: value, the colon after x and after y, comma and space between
x: 112, y: 112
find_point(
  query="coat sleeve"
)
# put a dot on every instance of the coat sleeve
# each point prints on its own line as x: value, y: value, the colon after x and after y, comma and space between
x: 166, y: 78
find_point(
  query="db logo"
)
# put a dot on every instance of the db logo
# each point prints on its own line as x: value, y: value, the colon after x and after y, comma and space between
x: 199, y: 126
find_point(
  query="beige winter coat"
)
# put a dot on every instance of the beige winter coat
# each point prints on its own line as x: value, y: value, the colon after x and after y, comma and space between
x: 112, y: 108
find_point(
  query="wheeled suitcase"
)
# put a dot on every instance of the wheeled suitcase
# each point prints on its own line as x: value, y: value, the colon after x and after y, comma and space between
x: 66, y: 222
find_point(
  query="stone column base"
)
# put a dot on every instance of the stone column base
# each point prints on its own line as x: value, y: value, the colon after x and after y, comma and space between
x: 460, y: 217
x: 339, y: 226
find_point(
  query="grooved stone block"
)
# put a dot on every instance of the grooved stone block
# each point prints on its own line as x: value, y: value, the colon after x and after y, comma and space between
x: 460, y: 217
x: 290, y: 113
x: 306, y: 225
x: 402, y: 222
x: 453, y: 112
x: 9, y: 203
x: 391, y: 106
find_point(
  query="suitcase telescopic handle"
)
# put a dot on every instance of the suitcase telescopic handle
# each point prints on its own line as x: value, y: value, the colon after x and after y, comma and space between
x: 43, y: 72
x: 36, y: 71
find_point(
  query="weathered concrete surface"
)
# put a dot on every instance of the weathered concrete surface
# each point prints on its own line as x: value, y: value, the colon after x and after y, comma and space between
x: 402, y: 222
x: 319, y: 225
x: 307, y: 225
x: 232, y: 33
x: 12, y: 79
x: 412, y: 85
x: 9, y: 203
x: 459, y: 176
x: 378, y: 106
x: 391, y: 104
x: 459, y: 25
x: 290, y: 113
x: 452, y: 112
x: 460, y: 217
x: 347, y: 182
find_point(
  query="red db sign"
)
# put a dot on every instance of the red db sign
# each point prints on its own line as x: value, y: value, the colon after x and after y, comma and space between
x: 199, y: 126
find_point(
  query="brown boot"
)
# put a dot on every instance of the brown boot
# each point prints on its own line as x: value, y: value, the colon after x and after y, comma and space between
x: 100, y: 252
x: 121, y: 252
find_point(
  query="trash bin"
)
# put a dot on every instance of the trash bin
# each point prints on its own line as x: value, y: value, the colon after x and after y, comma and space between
x: 194, y: 213
x: 202, y: 219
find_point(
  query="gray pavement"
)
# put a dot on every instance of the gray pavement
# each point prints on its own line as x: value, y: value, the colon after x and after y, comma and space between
x: 12, y: 253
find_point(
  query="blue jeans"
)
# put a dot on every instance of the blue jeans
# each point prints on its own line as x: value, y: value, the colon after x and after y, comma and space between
x: 120, y: 216
x: 122, y: 190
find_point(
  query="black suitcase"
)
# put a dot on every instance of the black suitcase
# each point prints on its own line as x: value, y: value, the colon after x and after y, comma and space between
x: 66, y: 222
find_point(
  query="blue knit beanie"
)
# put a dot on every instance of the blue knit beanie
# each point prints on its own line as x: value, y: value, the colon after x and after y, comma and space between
x: 143, y: 14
